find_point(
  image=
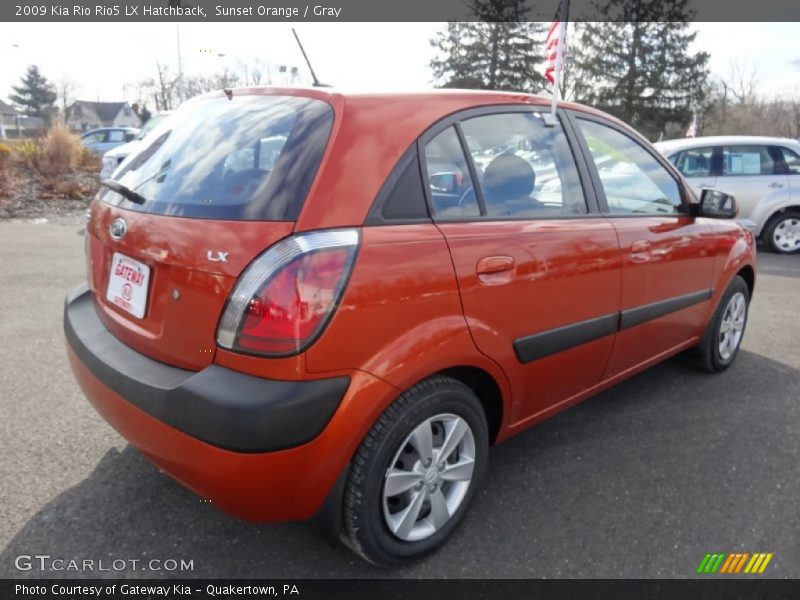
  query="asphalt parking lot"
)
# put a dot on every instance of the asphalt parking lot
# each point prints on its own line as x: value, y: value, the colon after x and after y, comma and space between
x: 640, y: 481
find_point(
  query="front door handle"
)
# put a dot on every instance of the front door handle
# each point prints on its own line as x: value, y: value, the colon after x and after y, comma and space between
x: 495, y: 270
x: 640, y: 251
x: 775, y: 185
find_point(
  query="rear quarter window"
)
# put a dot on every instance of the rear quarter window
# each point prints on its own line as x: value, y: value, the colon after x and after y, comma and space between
x: 252, y: 157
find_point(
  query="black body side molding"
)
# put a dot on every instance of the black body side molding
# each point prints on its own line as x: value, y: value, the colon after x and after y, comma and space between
x: 552, y: 341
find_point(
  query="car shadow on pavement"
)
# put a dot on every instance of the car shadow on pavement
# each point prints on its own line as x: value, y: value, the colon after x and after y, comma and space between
x: 639, y: 481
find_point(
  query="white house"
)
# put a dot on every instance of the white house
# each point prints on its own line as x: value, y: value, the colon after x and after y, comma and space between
x: 85, y: 115
x: 15, y: 123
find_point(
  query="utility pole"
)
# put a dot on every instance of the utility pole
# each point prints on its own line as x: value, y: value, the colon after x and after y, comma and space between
x: 181, y: 97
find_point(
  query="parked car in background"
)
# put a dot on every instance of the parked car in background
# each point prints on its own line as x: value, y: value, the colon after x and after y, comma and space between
x: 116, y: 155
x: 307, y: 312
x: 763, y: 173
x: 104, y: 139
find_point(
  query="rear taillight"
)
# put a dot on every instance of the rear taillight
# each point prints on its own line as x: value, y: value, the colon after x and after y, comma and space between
x: 284, y: 299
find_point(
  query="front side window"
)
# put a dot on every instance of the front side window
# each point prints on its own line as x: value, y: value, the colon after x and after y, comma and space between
x: 526, y: 169
x: 747, y: 160
x: 94, y: 137
x: 634, y: 182
x: 696, y: 162
x: 116, y: 135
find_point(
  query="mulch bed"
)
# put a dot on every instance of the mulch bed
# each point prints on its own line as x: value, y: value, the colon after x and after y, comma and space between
x: 31, y: 198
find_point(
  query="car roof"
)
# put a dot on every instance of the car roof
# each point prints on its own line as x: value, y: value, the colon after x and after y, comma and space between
x: 110, y: 129
x: 444, y: 98
x: 720, y: 140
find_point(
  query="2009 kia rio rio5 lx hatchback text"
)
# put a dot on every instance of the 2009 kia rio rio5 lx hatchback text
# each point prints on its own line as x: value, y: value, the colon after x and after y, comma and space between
x: 308, y: 305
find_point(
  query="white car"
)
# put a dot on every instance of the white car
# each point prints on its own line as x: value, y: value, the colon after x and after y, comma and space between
x: 763, y: 173
x: 115, y: 156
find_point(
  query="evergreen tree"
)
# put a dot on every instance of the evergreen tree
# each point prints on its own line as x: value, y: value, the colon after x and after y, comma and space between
x: 637, y: 66
x: 35, y: 95
x: 501, y: 51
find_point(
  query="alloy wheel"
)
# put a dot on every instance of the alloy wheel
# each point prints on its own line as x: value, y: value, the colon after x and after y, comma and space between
x: 732, y: 326
x: 428, y: 478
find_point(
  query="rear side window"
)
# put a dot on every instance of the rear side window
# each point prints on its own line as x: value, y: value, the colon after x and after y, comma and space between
x: 248, y: 158
x: 451, y: 187
x: 696, y: 162
x: 634, y: 182
x: 747, y: 160
x: 526, y: 169
x: 791, y: 160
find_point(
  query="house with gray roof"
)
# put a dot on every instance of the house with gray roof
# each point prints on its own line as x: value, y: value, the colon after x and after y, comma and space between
x: 85, y: 115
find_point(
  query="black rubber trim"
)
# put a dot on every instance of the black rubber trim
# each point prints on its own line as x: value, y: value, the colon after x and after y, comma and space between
x: 552, y: 341
x: 543, y: 344
x: 641, y: 314
x: 221, y: 407
x: 403, y: 185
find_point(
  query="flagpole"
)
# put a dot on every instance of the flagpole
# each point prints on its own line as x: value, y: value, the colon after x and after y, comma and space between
x: 557, y: 74
x: 562, y: 16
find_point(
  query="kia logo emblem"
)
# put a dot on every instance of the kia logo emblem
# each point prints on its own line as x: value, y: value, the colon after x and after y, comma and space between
x: 118, y: 228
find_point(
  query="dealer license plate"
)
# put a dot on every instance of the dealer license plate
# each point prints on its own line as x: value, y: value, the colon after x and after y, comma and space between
x: 127, y: 284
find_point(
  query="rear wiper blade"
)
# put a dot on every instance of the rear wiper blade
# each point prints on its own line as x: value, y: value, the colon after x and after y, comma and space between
x: 123, y: 191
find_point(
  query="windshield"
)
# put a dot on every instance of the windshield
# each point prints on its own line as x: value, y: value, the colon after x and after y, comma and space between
x: 151, y: 124
x: 248, y: 158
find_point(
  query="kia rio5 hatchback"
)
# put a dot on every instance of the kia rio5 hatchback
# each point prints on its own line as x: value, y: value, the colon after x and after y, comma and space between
x: 307, y: 305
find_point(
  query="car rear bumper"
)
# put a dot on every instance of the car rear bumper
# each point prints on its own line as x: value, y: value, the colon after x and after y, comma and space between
x: 257, y: 448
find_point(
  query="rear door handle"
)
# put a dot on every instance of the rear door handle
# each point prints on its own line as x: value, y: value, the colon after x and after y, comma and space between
x: 775, y: 185
x: 495, y: 270
x: 640, y: 251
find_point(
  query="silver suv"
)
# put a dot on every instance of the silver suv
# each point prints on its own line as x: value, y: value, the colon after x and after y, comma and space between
x: 763, y: 173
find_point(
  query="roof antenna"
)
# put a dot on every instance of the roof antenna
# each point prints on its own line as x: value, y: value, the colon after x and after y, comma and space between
x: 317, y: 82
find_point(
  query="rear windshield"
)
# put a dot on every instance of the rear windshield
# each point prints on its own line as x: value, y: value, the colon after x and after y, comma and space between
x: 248, y: 158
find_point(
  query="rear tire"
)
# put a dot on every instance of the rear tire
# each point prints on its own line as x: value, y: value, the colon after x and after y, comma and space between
x: 416, y: 472
x: 782, y: 232
x: 723, y: 337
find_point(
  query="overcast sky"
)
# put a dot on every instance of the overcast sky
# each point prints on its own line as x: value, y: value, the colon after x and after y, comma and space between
x: 107, y: 60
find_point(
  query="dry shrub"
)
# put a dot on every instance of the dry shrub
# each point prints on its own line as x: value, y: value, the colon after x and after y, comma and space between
x: 62, y: 151
x: 29, y: 154
x: 66, y: 187
x: 5, y: 170
x: 89, y: 161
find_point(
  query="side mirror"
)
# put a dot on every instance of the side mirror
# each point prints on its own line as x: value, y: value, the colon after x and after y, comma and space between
x: 444, y: 182
x: 129, y: 137
x: 717, y: 205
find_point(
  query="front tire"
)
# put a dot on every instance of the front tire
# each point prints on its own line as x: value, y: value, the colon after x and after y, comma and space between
x: 782, y: 233
x: 416, y: 472
x: 725, y: 330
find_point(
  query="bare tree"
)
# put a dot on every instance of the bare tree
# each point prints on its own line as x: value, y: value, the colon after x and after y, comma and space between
x: 254, y: 72
x: 67, y: 90
x: 743, y: 81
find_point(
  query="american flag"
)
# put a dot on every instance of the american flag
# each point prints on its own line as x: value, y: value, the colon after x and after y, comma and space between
x: 555, y: 44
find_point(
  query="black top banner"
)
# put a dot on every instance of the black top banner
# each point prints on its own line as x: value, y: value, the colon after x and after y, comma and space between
x: 384, y: 10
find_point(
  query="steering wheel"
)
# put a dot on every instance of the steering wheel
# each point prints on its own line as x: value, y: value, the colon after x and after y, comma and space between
x: 470, y: 191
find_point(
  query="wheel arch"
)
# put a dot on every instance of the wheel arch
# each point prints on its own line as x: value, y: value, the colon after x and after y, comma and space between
x: 748, y: 273
x: 781, y: 209
x: 486, y: 389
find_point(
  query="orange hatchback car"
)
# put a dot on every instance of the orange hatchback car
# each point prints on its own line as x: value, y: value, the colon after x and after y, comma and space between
x: 307, y: 305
